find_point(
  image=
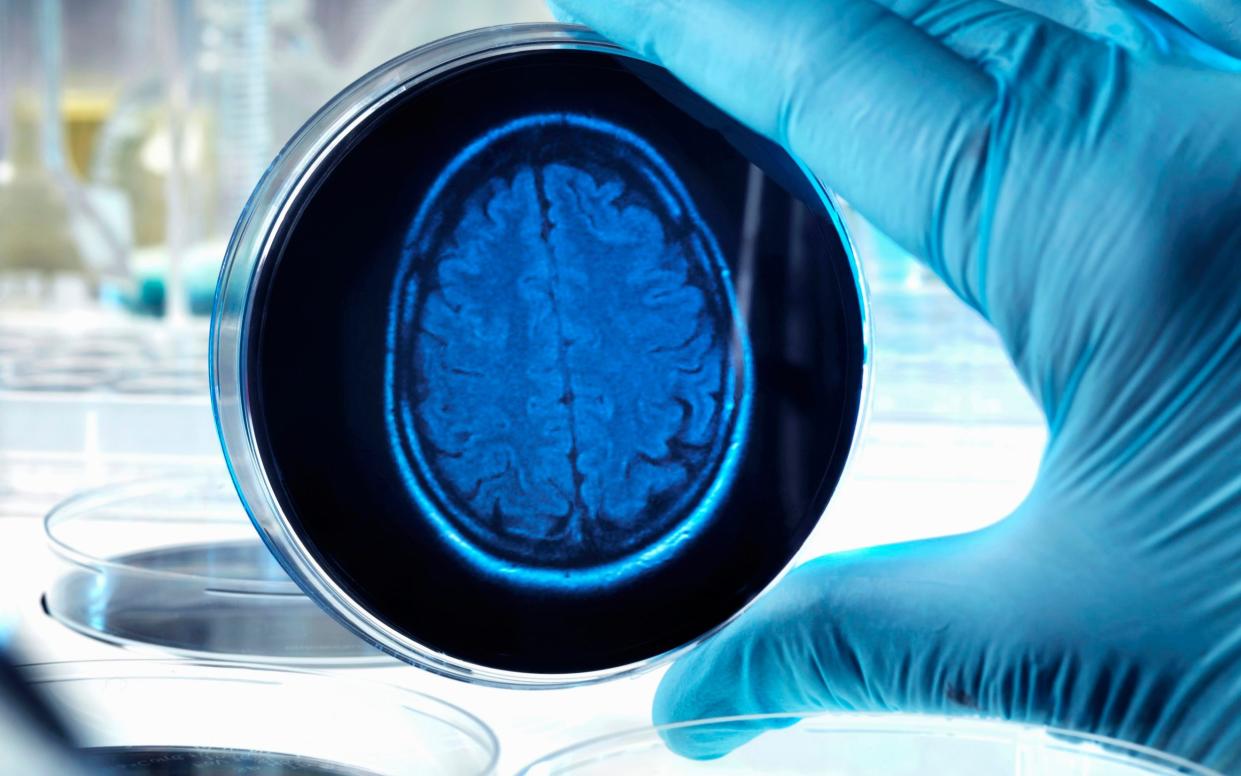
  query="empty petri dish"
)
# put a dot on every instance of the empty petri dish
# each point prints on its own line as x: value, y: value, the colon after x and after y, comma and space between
x: 174, y: 564
x: 532, y: 366
x: 860, y: 745
x: 180, y: 718
x: 32, y: 738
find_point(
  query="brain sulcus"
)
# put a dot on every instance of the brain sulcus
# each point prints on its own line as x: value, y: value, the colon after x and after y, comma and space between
x: 567, y: 371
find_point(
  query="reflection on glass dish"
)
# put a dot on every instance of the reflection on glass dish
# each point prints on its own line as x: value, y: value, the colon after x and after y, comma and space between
x: 174, y: 564
x: 179, y: 718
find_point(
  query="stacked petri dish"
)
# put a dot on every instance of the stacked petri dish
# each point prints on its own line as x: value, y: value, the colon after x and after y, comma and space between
x: 174, y: 564
x: 858, y: 745
x: 229, y: 667
x: 181, y: 718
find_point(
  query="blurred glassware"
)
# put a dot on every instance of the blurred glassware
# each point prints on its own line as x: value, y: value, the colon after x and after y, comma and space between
x: 188, y: 140
x: 84, y: 113
x: 56, y: 244
x: 232, y: 80
x: 97, y: 397
x: 406, y: 24
x: 96, y: 55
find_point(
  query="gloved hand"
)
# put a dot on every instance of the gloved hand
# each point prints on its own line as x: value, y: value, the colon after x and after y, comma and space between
x: 1073, y: 172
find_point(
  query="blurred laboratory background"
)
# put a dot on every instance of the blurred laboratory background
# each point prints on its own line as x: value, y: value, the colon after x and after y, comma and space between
x: 131, y: 134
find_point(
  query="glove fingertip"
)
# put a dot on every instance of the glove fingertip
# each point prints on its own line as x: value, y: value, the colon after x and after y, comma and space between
x: 697, y: 714
x: 695, y: 742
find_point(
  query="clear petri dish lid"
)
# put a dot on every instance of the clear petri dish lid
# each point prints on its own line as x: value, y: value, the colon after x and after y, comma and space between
x: 174, y: 564
x: 858, y: 745
x: 179, y: 718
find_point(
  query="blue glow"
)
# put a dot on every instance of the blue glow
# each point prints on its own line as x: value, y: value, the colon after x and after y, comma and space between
x: 567, y: 380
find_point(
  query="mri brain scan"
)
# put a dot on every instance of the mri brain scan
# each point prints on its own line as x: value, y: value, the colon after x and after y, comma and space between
x: 566, y: 381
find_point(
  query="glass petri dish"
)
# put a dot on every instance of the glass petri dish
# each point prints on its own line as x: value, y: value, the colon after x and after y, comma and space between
x: 180, y: 718
x: 174, y: 564
x: 861, y: 745
x: 530, y: 365
x: 32, y: 738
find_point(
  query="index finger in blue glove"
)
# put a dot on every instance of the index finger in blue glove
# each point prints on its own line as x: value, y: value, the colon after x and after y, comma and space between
x: 860, y: 90
x: 821, y: 78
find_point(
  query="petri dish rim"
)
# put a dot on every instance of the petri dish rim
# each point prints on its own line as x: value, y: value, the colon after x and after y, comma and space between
x: 175, y: 670
x: 250, y: 251
x: 882, y: 724
x: 81, y: 508
x: 78, y: 507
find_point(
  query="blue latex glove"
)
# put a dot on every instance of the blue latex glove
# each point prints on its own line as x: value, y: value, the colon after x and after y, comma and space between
x: 1073, y: 172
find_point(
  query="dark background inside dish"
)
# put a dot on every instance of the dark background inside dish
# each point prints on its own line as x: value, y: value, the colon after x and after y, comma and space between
x: 316, y: 369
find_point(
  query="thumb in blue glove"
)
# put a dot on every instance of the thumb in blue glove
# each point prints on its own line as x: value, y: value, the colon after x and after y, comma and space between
x: 1073, y: 172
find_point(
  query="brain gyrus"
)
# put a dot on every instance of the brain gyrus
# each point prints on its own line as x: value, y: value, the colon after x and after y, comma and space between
x: 567, y: 372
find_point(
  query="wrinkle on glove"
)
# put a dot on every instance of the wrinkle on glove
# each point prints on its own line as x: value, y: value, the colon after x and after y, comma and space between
x: 1073, y: 172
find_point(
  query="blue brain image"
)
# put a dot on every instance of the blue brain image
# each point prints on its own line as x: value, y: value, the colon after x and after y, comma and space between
x: 567, y: 372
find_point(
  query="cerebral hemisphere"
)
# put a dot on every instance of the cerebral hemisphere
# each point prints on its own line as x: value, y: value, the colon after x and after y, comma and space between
x: 567, y: 376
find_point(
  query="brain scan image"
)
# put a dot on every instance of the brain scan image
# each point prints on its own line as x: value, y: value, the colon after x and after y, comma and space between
x: 567, y: 375
x: 551, y: 367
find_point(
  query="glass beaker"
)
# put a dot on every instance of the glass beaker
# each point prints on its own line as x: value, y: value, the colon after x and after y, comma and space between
x: 55, y: 245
